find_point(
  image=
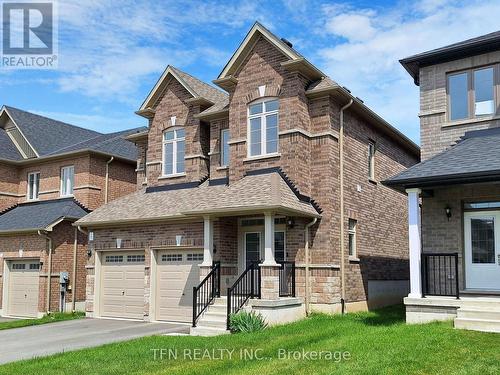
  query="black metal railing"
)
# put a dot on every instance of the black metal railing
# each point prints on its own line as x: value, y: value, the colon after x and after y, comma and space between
x: 287, y: 279
x: 204, y: 294
x: 440, y: 275
x: 245, y: 287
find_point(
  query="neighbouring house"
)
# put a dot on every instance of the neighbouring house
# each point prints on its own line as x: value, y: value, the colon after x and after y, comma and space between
x: 264, y: 196
x: 52, y: 174
x: 454, y: 237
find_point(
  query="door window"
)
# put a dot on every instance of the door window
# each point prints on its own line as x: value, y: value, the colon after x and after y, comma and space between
x: 483, y: 240
x: 252, y: 246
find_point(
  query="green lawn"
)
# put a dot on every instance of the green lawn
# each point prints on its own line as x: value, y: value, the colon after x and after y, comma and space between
x: 378, y: 343
x: 55, y: 317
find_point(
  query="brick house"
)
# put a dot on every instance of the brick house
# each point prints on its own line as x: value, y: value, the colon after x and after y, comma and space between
x: 454, y: 253
x: 253, y: 191
x: 52, y: 174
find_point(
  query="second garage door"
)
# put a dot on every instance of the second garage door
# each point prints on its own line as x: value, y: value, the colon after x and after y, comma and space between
x: 23, y: 288
x: 177, y: 274
x: 122, y: 285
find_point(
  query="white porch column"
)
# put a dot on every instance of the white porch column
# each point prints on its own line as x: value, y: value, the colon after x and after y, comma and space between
x: 414, y: 242
x: 269, y: 240
x: 208, y: 241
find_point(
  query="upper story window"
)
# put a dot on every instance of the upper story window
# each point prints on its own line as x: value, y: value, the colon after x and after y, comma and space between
x: 67, y: 180
x: 173, y: 151
x: 33, y: 185
x: 263, y: 127
x: 352, y: 237
x: 371, y: 160
x: 224, y: 147
x: 471, y: 93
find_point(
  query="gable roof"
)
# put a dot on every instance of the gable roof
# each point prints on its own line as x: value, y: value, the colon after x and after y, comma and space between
x: 42, y: 215
x: 197, y: 88
x: 252, y: 193
x: 470, y: 47
x: 257, y: 31
x: 475, y: 158
x: 50, y: 138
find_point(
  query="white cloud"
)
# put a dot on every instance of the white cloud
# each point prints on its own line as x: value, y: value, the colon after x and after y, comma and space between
x: 369, y: 65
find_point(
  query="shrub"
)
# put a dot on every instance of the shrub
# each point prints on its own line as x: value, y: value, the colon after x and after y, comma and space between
x: 246, y: 322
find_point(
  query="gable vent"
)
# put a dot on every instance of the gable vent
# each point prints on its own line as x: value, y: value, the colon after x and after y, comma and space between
x: 20, y: 142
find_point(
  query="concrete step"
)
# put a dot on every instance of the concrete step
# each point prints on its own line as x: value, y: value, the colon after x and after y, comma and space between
x: 217, y: 308
x: 483, y: 325
x: 208, y: 331
x: 214, y: 315
x: 212, y: 323
x: 220, y: 301
x: 480, y: 303
x: 487, y: 314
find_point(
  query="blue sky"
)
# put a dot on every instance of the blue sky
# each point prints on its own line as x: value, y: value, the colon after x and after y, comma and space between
x: 112, y: 52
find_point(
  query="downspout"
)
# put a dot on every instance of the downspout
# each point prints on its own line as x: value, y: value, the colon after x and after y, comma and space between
x: 49, y: 275
x: 341, y: 172
x: 106, y: 183
x: 73, y: 278
x: 308, y: 291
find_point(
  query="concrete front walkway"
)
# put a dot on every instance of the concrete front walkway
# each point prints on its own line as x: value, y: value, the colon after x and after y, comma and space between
x: 46, y: 339
x: 2, y: 320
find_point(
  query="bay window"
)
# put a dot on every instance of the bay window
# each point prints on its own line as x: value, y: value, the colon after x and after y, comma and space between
x: 263, y: 127
x: 173, y: 151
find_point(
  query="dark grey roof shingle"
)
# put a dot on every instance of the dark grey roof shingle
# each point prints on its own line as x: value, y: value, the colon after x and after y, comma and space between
x: 8, y: 150
x: 39, y: 215
x: 52, y: 137
x: 476, y: 155
x: 47, y: 135
x: 201, y: 88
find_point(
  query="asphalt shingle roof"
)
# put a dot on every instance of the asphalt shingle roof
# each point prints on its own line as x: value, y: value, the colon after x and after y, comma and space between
x: 7, y: 149
x: 254, y: 192
x: 201, y: 88
x: 476, y: 154
x: 39, y: 215
x: 52, y: 137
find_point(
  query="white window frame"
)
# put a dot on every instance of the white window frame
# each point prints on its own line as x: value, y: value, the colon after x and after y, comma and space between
x: 372, y: 149
x: 63, y: 190
x: 37, y: 186
x: 174, y: 142
x: 352, y: 232
x: 222, y: 154
x: 263, y: 128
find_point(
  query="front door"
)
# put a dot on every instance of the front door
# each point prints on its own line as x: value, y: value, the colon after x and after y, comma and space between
x: 482, y: 250
x: 254, y: 247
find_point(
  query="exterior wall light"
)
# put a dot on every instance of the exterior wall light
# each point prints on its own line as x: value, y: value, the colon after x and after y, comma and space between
x: 290, y: 222
x: 447, y: 209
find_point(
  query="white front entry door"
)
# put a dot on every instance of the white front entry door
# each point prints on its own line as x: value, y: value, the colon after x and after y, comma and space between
x: 482, y: 250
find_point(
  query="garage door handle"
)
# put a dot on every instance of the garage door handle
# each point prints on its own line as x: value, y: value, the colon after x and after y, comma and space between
x: 123, y: 292
x: 183, y: 294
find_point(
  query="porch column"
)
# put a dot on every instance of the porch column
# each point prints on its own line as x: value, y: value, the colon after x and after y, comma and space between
x: 208, y: 241
x: 269, y: 240
x: 269, y: 272
x: 414, y: 242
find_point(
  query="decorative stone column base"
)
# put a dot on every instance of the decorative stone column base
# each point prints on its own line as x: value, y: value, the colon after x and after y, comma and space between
x: 270, y: 282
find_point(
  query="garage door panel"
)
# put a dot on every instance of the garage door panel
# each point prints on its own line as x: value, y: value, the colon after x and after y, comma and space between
x: 123, y: 285
x: 23, y: 288
x: 176, y: 277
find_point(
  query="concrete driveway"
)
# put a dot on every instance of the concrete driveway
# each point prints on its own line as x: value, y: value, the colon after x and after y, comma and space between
x: 5, y: 319
x: 46, y: 339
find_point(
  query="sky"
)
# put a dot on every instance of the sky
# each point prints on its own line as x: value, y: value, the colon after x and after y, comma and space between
x: 111, y: 53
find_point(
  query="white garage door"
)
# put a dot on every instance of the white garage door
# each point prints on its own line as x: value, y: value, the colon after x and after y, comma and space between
x: 23, y: 288
x: 178, y: 272
x: 122, y: 285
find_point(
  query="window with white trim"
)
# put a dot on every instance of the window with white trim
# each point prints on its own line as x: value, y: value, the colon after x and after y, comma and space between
x: 67, y: 180
x: 263, y: 127
x: 371, y: 161
x: 194, y: 256
x: 33, y: 185
x: 224, y: 147
x: 173, y: 151
x: 352, y: 237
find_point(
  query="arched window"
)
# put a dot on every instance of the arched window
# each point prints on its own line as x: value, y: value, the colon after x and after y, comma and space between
x: 263, y: 127
x: 173, y: 151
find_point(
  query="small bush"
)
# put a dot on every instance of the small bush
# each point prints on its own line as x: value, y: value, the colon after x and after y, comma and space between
x: 246, y: 322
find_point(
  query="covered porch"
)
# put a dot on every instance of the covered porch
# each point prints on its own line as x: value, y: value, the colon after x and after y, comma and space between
x: 454, y: 234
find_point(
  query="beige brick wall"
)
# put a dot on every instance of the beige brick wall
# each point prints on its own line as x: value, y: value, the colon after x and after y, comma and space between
x: 436, y: 132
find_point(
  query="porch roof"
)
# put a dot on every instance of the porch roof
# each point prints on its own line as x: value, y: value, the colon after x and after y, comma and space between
x: 474, y: 158
x: 259, y: 192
